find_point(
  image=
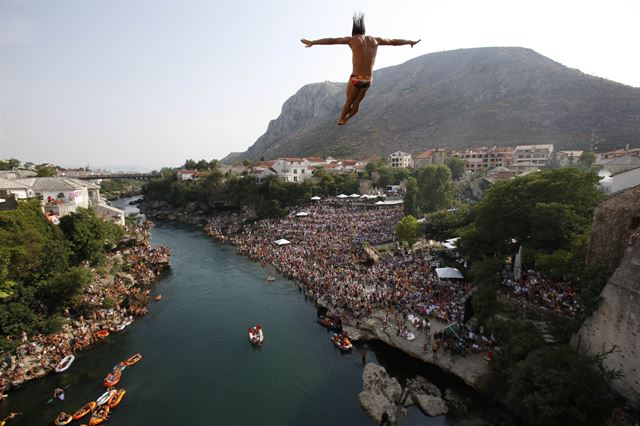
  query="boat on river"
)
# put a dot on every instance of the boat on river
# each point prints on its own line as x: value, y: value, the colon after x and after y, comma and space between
x: 65, y: 363
x: 256, y: 336
x: 116, y: 398
x: 341, y: 341
x: 133, y: 359
x: 331, y: 323
x: 105, y: 397
x: 84, y: 410
x: 112, y: 378
x: 63, y: 419
x: 100, y: 415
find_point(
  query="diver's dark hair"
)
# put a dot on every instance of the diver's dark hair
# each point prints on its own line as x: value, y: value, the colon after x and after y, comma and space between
x: 358, y: 24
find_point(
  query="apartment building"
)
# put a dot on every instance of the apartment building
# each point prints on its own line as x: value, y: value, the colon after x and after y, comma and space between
x: 484, y: 157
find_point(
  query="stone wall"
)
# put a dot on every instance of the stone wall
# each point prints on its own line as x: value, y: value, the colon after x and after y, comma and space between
x: 616, y: 323
x: 614, y: 220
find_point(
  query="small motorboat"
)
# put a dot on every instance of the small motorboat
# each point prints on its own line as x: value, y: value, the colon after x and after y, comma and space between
x: 112, y: 378
x: 100, y: 415
x: 115, y: 400
x: 132, y: 360
x: 63, y: 419
x: 256, y: 336
x: 330, y: 323
x: 271, y: 278
x: 341, y: 341
x: 105, y: 397
x: 65, y: 363
x: 102, y: 333
x: 158, y: 297
x: 84, y: 410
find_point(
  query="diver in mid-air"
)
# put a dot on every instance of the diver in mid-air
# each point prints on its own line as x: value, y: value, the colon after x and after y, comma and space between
x: 364, y: 50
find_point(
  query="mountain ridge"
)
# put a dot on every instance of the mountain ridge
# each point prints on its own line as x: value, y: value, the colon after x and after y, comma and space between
x: 503, y: 96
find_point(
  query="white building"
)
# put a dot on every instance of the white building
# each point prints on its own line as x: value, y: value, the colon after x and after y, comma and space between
x: 400, y: 159
x: 293, y: 169
x: 14, y: 187
x: 538, y: 155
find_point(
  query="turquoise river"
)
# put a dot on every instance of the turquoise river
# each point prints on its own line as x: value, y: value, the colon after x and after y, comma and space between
x: 199, y: 368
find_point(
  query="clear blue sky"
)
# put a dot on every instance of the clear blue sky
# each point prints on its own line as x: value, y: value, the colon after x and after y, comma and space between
x: 151, y: 83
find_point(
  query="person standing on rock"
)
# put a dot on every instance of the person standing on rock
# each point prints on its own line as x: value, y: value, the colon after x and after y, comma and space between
x: 364, y: 49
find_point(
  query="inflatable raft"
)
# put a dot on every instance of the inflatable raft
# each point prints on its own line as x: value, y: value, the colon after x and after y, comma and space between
x: 84, y: 410
x: 342, y: 342
x: 100, y: 415
x: 116, y: 398
x: 256, y: 336
x: 63, y: 419
x: 104, y: 398
x: 65, y: 363
x: 112, y: 378
x: 135, y: 358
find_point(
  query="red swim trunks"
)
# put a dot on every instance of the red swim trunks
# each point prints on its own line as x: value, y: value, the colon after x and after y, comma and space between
x: 361, y: 81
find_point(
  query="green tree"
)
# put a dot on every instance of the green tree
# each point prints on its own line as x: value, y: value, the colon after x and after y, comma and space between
x: 544, y: 212
x: 555, y: 385
x: 64, y: 287
x: 45, y: 171
x: 456, y: 165
x: 445, y: 224
x: 407, y: 230
x: 586, y: 160
x: 189, y: 164
x: 436, y: 188
x: 202, y: 165
x: 411, y: 198
x: 88, y: 235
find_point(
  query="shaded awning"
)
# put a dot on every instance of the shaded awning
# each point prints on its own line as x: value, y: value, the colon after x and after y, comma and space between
x: 449, y: 273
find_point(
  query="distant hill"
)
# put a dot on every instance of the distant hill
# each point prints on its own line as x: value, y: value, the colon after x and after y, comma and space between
x: 503, y: 96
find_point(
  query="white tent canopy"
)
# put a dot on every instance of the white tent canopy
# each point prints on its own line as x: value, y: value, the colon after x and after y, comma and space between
x: 282, y: 242
x: 449, y: 274
x: 316, y: 198
x: 342, y: 196
x: 354, y: 195
x: 302, y: 214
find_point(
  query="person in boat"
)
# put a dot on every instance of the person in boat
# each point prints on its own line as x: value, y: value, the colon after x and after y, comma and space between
x: 62, y: 417
x: 364, y: 49
x: 58, y: 393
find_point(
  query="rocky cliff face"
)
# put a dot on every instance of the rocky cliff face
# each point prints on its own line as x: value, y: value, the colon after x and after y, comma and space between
x: 614, y: 220
x: 616, y: 324
x: 497, y: 96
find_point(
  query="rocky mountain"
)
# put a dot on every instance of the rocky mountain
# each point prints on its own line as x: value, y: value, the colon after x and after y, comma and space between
x: 503, y: 96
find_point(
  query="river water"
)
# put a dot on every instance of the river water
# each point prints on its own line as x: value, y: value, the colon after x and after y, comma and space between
x: 198, y: 366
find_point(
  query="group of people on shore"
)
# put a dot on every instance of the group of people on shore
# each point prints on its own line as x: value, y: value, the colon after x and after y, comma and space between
x: 37, y: 355
x: 559, y: 297
x: 325, y: 257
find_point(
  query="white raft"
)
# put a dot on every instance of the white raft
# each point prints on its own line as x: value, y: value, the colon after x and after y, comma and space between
x: 65, y: 363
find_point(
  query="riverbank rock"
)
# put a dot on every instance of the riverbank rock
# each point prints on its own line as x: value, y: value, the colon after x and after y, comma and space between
x: 380, y: 393
x: 420, y: 385
x: 431, y: 405
x: 454, y: 401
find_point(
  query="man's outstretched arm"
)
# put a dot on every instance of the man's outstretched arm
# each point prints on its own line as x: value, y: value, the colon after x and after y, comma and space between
x: 338, y: 40
x: 395, y: 41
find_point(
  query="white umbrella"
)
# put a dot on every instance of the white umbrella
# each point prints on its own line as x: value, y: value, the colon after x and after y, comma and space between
x: 342, y: 196
x: 354, y: 196
x: 302, y: 214
x: 282, y: 241
x: 316, y: 198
